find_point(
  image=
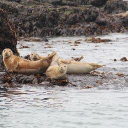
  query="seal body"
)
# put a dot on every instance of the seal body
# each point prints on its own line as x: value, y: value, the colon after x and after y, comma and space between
x: 81, y: 67
x: 73, y: 66
x: 20, y: 65
x: 56, y: 71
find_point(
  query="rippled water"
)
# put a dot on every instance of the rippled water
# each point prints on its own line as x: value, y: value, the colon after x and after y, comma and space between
x: 64, y: 107
x: 71, y: 107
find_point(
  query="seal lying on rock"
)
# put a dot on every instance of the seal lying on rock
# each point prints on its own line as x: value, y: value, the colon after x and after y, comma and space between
x: 122, y: 14
x: 19, y: 65
x: 56, y: 71
x: 75, y: 66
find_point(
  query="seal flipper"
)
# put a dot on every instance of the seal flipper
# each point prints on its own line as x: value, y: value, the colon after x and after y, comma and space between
x: 49, y: 56
x: 60, y: 61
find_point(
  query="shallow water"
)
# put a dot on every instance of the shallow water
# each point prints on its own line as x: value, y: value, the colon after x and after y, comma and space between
x: 64, y: 107
x: 71, y: 107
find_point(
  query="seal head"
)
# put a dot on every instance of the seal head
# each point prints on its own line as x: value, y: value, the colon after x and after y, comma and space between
x: 57, y: 72
x: 7, y: 53
x: 34, y: 56
x: 62, y: 68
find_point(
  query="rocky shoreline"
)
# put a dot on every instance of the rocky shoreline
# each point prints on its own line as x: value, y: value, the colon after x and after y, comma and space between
x: 95, y: 79
x: 46, y: 18
x: 40, y: 18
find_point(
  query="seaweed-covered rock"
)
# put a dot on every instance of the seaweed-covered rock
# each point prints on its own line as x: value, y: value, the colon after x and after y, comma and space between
x: 116, y: 6
x: 96, y: 3
x: 1, y: 64
x: 7, y: 35
x: 15, y: 1
x: 41, y: 18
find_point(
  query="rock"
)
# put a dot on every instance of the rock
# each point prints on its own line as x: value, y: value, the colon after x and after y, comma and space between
x: 77, y: 58
x: 14, y: 80
x: 27, y: 57
x: 97, y: 40
x: 1, y: 64
x: 96, y: 3
x: 123, y: 59
x: 45, y: 39
x: 7, y: 35
x: 42, y: 18
x: 15, y: 1
x: 1, y: 77
x: 116, y: 6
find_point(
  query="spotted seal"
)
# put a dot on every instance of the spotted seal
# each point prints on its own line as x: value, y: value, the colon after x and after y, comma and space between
x: 20, y: 65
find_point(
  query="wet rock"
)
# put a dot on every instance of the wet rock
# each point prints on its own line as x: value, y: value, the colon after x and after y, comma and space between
x: 73, y: 49
x: 24, y: 47
x: 116, y: 6
x: 97, y: 40
x: 96, y: 3
x: 86, y: 81
x: 15, y: 1
x: 77, y: 58
x: 45, y: 39
x: 32, y: 39
x: 99, y: 82
x: 1, y: 77
x: 123, y: 59
x: 115, y: 59
x: 1, y: 64
x: 3, y: 88
x: 7, y: 35
x: 35, y: 81
x: 27, y: 57
x: 120, y: 74
x: 10, y: 80
x: 24, y: 79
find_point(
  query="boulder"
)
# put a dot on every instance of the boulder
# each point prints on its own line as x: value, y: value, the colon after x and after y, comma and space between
x: 7, y: 35
x: 42, y: 18
x: 116, y: 6
x: 96, y: 3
